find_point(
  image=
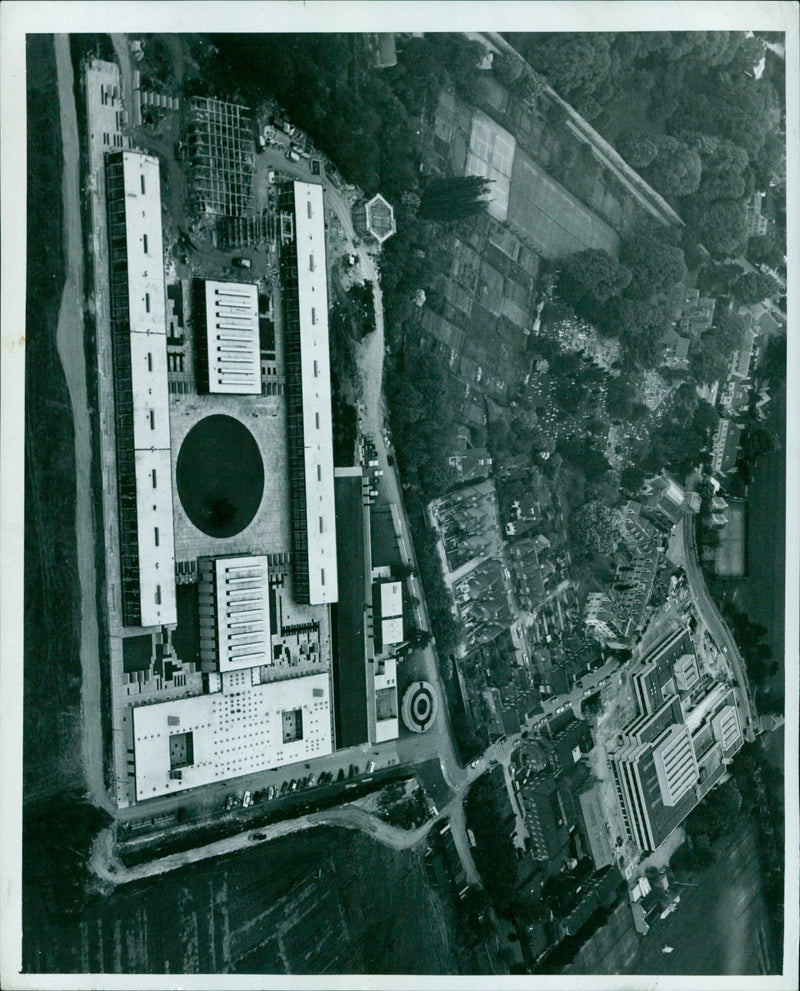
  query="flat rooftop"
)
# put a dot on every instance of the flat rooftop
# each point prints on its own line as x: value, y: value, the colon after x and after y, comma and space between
x: 245, y: 728
x: 232, y: 343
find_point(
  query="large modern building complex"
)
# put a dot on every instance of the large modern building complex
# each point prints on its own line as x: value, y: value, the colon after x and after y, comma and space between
x: 243, y: 660
x: 305, y: 300
x: 678, y: 746
x: 138, y: 327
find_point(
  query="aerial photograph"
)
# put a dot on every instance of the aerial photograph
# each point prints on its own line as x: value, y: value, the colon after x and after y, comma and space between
x: 405, y: 504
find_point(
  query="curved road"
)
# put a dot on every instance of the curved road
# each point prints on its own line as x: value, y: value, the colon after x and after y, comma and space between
x: 70, y: 341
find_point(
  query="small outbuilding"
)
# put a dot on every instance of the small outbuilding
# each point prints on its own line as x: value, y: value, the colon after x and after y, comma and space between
x: 374, y: 218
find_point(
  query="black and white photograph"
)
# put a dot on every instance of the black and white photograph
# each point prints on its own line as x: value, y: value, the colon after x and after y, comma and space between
x: 398, y: 583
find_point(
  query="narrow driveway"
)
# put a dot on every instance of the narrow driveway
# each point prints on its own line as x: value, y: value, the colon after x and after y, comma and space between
x: 70, y: 341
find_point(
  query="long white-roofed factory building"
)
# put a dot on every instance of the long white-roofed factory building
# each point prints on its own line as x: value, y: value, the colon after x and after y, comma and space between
x: 138, y: 327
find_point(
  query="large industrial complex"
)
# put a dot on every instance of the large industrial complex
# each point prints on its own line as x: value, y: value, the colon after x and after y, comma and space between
x: 245, y: 643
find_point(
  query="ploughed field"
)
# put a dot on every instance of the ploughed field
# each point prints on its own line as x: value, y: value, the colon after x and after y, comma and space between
x: 325, y: 901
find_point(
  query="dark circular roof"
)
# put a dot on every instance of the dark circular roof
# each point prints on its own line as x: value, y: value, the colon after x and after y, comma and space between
x: 220, y: 476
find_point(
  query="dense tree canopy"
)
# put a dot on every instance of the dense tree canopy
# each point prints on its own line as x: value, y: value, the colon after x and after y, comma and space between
x: 593, y: 274
x: 637, y: 148
x: 721, y: 227
x: 765, y: 250
x: 676, y: 168
x: 752, y: 287
x: 716, y: 280
x: 595, y: 527
x: 654, y: 264
x: 572, y: 63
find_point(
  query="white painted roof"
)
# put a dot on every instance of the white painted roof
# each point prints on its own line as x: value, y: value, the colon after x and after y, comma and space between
x: 391, y: 599
x: 242, y: 620
x: 316, y: 386
x: 234, y: 732
x: 232, y: 340
x: 392, y: 630
x: 149, y: 387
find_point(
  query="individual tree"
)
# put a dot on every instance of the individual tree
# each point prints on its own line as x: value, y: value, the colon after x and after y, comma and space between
x: 449, y: 200
x: 758, y: 442
x: 752, y: 287
x: 655, y: 265
x: 592, y: 274
x: 676, y: 169
x: 705, y: 418
x: 417, y: 638
x: 765, y: 250
x: 596, y: 528
x: 518, y: 77
x: 637, y: 148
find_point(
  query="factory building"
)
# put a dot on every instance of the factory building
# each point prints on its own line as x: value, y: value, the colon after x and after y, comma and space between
x: 138, y: 327
x: 305, y: 301
x: 228, y: 347
x: 234, y: 613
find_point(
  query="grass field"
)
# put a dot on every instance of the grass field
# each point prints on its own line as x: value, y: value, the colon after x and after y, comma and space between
x: 51, y: 656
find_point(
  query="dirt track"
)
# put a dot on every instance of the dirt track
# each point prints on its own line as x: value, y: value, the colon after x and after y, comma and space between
x: 70, y: 341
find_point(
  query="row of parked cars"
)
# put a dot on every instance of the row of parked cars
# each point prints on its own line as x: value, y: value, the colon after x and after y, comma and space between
x: 294, y: 784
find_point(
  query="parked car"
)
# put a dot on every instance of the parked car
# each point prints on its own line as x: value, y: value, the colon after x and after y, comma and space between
x: 370, y: 767
x: 270, y: 793
x: 292, y: 155
x: 241, y: 262
x: 284, y: 787
x: 271, y: 176
x: 246, y: 800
